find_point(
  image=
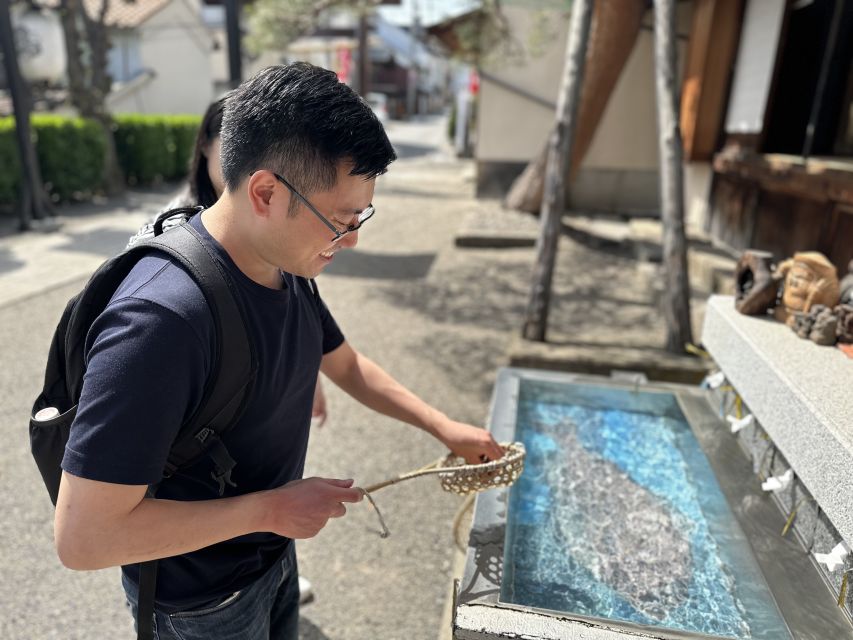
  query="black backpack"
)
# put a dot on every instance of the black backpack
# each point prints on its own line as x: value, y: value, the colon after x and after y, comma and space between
x: 225, y: 394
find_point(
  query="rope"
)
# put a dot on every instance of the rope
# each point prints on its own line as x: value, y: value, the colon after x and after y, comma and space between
x: 460, y: 477
x: 464, y: 508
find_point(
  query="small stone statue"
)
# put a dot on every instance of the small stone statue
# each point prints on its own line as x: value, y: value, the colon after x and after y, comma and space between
x: 844, y: 328
x: 818, y: 325
x: 824, y: 327
x: 756, y: 289
x: 802, y: 324
x: 810, y: 279
x: 846, y: 286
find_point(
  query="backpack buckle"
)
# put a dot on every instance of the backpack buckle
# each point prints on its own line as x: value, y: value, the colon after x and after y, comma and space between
x: 223, y: 462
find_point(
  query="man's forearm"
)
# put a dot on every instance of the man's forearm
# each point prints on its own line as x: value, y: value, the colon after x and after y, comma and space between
x: 372, y: 386
x: 368, y: 383
x: 151, y: 530
x: 100, y: 524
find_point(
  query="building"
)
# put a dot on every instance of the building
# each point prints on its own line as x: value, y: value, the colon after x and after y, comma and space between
x: 160, y: 56
x: 779, y: 152
x: 405, y: 71
x: 517, y: 106
x: 766, y: 116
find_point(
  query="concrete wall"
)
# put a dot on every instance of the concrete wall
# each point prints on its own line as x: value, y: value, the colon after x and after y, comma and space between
x: 620, y: 171
x: 175, y: 46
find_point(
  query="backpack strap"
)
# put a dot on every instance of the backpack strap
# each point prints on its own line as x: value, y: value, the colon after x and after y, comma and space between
x: 235, y: 365
x: 228, y: 387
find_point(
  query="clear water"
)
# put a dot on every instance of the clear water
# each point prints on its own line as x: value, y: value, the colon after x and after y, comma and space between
x: 618, y: 515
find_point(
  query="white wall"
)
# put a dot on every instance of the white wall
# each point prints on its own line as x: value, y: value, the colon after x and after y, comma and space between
x: 756, y: 57
x: 176, y: 47
x: 513, y: 128
x: 620, y: 170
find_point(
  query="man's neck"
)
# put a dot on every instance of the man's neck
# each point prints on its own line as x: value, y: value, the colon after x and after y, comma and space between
x: 222, y: 222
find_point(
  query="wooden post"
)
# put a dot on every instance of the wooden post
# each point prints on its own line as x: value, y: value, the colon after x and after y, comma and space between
x: 559, y: 152
x: 676, y: 299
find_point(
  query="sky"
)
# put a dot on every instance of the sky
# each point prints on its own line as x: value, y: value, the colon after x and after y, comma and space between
x: 430, y: 11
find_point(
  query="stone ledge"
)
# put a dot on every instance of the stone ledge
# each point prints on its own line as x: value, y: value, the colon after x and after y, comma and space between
x: 800, y: 393
x: 490, y: 226
x: 656, y: 364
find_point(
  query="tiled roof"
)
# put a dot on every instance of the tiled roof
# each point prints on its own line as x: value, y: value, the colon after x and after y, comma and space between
x: 122, y: 13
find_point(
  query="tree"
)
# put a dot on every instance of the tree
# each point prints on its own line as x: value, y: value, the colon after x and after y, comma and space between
x: 87, y: 45
x: 676, y: 300
x: 34, y: 202
x: 615, y: 27
x: 559, y: 151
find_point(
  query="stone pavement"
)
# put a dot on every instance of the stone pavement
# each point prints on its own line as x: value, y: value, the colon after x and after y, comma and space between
x: 438, y: 317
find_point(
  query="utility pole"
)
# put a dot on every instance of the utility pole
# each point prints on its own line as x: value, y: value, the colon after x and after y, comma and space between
x: 413, y: 74
x: 235, y: 53
x: 34, y: 203
x: 559, y: 151
x: 363, y: 51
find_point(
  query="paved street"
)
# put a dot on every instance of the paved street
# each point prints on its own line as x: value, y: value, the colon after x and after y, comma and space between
x: 404, y: 297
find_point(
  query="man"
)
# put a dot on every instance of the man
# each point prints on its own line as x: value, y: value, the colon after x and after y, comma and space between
x: 300, y: 154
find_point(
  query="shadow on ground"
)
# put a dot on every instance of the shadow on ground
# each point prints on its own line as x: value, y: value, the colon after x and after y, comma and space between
x: 309, y: 631
x: 8, y: 263
x: 593, y: 292
x: 362, y: 264
x: 418, y: 193
x: 104, y: 242
x: 406, y: 151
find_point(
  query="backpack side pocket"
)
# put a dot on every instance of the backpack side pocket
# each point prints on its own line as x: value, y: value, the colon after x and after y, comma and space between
x: 47, y: 443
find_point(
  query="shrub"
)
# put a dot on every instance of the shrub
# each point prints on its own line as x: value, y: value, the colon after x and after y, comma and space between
x: 70, y: 152
x: 71, y: 155
x: 154, y: 148
x: 10, y: 176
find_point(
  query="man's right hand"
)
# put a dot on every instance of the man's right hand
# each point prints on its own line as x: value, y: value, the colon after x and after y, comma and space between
x: 300, y: 509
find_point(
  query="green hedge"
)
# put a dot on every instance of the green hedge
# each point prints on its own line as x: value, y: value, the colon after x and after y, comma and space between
x: 151, y: 148
x: 71, y: 155
x: 10, y: 175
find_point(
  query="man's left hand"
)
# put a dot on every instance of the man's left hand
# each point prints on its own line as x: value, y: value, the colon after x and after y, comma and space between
x: 474, y: 444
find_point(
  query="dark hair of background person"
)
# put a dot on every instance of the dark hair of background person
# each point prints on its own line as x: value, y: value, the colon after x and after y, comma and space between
x: 300, y: 121
x: 200, y: 186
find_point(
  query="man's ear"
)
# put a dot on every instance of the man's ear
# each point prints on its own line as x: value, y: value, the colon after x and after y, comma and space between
x: 261, y: 190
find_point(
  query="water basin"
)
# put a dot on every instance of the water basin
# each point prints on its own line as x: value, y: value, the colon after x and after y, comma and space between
x: 637, y: 515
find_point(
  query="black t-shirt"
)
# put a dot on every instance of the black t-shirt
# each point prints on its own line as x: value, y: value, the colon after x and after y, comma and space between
x: 148, y: 357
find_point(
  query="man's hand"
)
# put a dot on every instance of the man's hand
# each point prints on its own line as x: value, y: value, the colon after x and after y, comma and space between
x: 300, y: 509
x: 472, y: 443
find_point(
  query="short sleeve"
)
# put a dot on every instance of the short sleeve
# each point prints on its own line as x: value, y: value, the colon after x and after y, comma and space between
x: 145, y: 375
x: 333, y: 337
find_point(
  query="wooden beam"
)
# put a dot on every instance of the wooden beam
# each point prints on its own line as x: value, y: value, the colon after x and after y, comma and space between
x: 714, y: 38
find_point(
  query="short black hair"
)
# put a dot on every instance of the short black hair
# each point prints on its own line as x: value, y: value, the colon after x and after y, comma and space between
x: 300, y: 121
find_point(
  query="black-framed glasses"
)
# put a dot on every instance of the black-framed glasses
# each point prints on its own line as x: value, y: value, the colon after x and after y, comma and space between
x: 361, y: 218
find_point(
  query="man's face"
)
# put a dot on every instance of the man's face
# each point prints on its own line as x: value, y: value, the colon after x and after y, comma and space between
x: 302, y: 244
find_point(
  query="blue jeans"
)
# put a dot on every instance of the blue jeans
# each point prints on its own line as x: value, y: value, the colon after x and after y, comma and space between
x: 268, y: 609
